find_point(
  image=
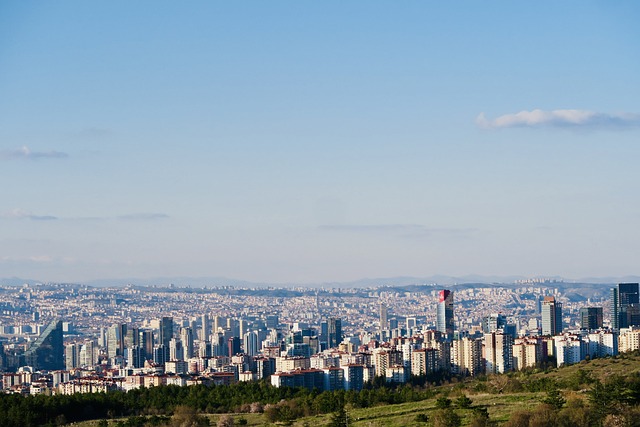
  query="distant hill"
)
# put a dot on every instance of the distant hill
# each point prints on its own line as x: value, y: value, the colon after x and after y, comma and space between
x: 16, y: 281
x: 580, y: 289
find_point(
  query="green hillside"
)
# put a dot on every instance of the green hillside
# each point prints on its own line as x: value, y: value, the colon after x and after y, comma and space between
x: 602, y: 392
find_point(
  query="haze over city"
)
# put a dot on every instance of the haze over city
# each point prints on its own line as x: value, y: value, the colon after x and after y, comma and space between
x: 309, y: 142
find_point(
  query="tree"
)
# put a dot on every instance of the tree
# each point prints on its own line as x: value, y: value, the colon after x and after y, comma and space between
x: 554, y: 398
x: 544, y: 416
x: 340, y: 418
x: 445, y: 418
x: 480, y: 417
x: 579, y: 378
x: 256, y: 407
x: 422, y: 418
x: 463, y: 402
x: 575, y: 414
x: 186, y: 416
x: 225, y: 421
x: 518, y: 419
x: 283, y: 412
x: 443, y: 402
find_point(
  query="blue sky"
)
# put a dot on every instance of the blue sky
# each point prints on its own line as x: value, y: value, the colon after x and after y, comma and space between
x: 329, y: 141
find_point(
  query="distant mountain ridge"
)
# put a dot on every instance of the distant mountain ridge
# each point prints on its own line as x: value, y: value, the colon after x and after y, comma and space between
x: 441, y: 280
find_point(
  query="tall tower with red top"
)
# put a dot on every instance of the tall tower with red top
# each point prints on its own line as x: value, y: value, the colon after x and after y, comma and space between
x: 444, y: 314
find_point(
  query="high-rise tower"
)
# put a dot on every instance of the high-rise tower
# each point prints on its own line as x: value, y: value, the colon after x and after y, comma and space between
x: 204, y: 330
x: 186, y: 336
x: 334, y: 332
x: 115, y: 339
x: 384, y: 316
x: 166, y: 331
x: 625, y: 306
x: 590, y: 318
x: 47, y: 352
x: 551, y: 316
x: 444, y: 313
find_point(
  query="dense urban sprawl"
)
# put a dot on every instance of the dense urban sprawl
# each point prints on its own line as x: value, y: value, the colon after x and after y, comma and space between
x: 66, y: 339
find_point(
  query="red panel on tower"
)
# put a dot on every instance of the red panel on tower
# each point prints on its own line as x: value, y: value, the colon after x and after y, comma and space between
x: 443, y: 295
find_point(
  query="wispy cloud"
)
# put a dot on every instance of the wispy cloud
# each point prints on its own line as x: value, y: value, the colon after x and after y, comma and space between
x: 560, y: 118
x: 402, y: 230
x: 143, y: 217
x: 22, y: 214
x: 26, y: 153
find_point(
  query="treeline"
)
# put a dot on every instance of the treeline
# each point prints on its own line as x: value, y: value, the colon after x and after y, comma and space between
x: 247, y: 397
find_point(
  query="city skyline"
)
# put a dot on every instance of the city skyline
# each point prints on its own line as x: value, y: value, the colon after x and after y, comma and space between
x: 310, y: 143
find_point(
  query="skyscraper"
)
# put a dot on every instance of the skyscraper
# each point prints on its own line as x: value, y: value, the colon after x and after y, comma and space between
x: 615, y: 311
x: 204, y: 331
x: 72, y: 356
x: 176, y: 350
x: 146, y: 342
x: 234, y: 345
x: 384, y: 316
x: 444, y: 312
x: 272, y: 321
x: 591, y: 318
x: 625, y: 306
x: 47, y: 352
x: 115, y: 339
x: 218, y: 323
x: 135, y: 356
x: 132, y: 337
x: 334, y: 332
x: 251, y: 343
x: 166, y: 331
x: 88, y: 354
x: 186, y: 336
x: 551, y: 316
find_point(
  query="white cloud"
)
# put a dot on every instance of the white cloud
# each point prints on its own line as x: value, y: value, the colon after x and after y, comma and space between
x: 25, y: 152
x: 559, y: 118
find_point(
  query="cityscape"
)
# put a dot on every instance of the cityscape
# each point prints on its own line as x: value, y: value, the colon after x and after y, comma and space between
x: 65, y: 339
x: 338, y: 214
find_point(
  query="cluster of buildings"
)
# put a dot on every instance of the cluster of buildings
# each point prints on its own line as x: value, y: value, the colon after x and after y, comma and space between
x: 324, y: 354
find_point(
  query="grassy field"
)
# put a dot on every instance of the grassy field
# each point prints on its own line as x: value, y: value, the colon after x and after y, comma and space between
x: 498, y: 406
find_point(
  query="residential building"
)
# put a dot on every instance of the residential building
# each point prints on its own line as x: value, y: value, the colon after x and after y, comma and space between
x: 498, y: 348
